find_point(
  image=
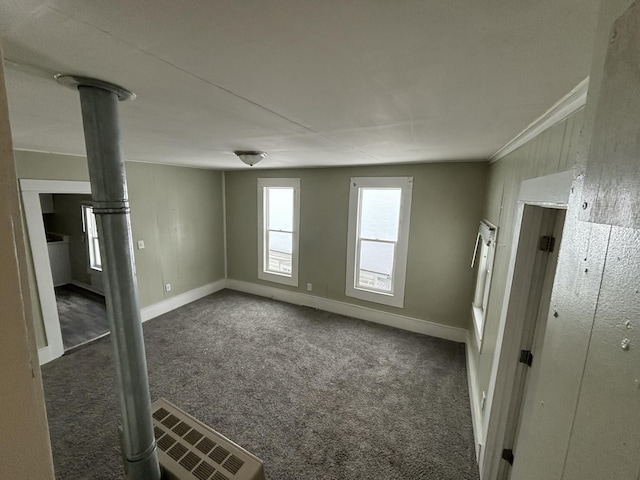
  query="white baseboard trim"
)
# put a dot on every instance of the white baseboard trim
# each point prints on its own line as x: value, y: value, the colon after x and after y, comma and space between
x: 350, y: 310
x: 157, y: 309
x: 474, y: 397
x: 86, y: 286
x: 45, y: 355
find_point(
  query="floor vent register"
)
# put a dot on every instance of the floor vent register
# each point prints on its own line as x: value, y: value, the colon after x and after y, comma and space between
x: 188, y: 449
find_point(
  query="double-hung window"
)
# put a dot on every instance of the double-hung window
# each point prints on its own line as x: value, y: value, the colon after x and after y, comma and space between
x: 483, y: 263
x: 91, y: 234
x: 278, y: 222
x: 378, y: 238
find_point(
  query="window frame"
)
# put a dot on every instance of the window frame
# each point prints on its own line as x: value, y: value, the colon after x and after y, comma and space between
x: 93, y: 242
x: 263, y: 185
x: 395, y: 298
x: 485, y: 240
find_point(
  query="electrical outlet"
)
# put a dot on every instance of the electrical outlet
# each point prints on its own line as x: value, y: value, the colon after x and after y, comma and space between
x: 309, y: 287
x: 167, y: 287
x: 140, y: 244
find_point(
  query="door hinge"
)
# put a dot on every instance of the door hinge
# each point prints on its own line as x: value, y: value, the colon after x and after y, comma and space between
x: 546, y: 244
x: 507, y: 454
x: 526, y: 357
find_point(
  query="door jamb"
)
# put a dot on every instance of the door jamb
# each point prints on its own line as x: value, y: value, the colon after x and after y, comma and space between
x: 551, y: 191
x: 30, y: 191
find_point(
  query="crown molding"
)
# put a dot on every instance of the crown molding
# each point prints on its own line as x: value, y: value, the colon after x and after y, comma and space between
x: 570, y: 103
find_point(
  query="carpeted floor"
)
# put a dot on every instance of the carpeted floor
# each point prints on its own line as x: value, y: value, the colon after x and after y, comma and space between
x: 313, y: 394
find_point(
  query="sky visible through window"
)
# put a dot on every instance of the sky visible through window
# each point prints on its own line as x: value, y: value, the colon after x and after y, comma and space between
x: 280, y: 217
x: 380, y: 216
x: 379, y: 220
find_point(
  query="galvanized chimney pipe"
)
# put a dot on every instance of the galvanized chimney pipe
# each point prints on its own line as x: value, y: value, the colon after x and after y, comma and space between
x: 99, y: 102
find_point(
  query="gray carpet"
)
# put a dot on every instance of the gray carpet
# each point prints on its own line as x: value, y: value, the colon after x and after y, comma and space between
x: 315, y: 395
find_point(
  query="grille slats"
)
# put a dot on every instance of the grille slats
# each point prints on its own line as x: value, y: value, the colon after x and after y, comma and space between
x: 233, y: 464
x: 181, y: 428
x: 157, y: 432
x: 189, y: 449
x: 193, y: 436
x: 206, y: 445
x: 203, y: 471
x: 165, y: 442
x: 160, y: 414
x: 219, y: 454
x: 177, y: 451
x: 190, y: 460
x: 170, y: 421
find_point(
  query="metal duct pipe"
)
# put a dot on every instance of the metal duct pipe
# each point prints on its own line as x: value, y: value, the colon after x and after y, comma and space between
x: 99, y: 102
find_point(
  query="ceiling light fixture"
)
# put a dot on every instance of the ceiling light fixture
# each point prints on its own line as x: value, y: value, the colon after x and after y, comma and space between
x: 250, y: 157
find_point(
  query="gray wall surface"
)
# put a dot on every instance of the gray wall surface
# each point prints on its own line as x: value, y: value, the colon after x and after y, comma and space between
x: 67, y: 220
x: 552, y: 151
x: 445, y: 212
x: 583, y: 420
x: 176, y: 211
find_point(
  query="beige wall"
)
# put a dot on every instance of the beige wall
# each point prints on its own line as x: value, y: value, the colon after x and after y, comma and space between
x: 446, y: 211
x: 24, y: 437
x: 176, y: 211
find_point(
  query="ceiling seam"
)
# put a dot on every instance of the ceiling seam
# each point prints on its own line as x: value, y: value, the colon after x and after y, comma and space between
x: 224, y: 89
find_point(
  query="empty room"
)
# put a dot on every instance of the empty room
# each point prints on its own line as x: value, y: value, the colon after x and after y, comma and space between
x: 320, y: 240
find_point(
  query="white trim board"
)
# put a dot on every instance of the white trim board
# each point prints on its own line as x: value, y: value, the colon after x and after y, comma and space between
x: 476, y: 407
x: 391, y: 319
x: 567, y: 105
x: 160, y: 308
x: 551, y: 191
x: 30, y: 191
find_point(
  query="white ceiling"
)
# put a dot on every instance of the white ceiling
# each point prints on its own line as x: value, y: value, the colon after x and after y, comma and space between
x: 313, y: 83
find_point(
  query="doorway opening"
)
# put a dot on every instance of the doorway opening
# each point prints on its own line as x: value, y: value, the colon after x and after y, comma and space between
x: 548, y: 224
x: 539, y: 222
x: 68, y: 286
x: 74, y: 256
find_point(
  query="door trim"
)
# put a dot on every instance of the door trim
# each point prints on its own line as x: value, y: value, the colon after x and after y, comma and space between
x: 30, y: 191
x: 551, y: 191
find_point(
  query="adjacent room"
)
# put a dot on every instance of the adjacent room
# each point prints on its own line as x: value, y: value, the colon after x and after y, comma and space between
x: 320, y: 240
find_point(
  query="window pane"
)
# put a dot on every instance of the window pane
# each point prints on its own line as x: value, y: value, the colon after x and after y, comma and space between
x: 280, y: 248
x: 380, y: 213
x: 376, y: 265
x: 97, y: 261
x: 280, y: 209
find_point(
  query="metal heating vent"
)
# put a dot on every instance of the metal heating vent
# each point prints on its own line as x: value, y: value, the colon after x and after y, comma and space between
x: 188, y: 449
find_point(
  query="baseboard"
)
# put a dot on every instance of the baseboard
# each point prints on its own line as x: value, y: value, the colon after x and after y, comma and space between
x: 157, y: 309
x: 86, y: 286
x: 476, y: 408
x: 45, y: 355
x: 391, y: 319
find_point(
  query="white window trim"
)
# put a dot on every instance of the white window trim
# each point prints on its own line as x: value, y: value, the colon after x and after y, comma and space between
x: 294, y: 183
x: 487, y: 234
x: 395, y: 299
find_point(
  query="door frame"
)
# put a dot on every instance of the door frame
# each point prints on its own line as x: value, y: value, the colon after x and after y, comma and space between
x: 30, y: 190
x: 551, y: 191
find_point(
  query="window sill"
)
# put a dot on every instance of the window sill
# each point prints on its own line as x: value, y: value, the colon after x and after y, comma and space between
x: 292, y: 280
x: 394, y: 300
